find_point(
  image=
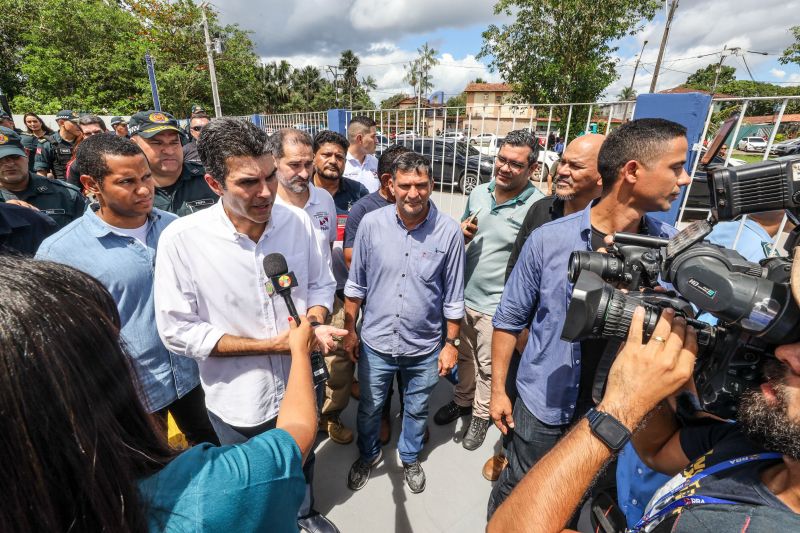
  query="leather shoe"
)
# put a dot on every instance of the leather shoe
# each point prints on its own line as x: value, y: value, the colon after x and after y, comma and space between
x: 450, y: 413
x: 475, y: 433
x: 355, y: 390
x: 316, y: 523
x: 338, y: 432
x: 494, y: 466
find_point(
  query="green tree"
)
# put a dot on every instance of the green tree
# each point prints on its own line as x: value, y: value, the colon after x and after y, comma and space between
x: 412, y: 75
x: 627, y: 93
x: 455, y: 103
x: 274, y: 80
x: 307, y: 81
x: 792, y: 53
x: 349, y: 63
x: 558, y: 51
x: 393, y: 101
x: 703, y: 78
x: 426, y: 61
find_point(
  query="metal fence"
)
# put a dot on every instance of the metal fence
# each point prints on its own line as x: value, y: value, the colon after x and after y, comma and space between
x: 463, y: 141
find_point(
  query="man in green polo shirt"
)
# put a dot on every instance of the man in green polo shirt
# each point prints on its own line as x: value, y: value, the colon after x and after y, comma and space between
x: 57, y: 199
x: 180, y: 185
x: 491, y: 221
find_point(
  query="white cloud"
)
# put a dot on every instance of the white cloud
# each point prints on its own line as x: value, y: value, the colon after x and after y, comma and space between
x: 777, y: 73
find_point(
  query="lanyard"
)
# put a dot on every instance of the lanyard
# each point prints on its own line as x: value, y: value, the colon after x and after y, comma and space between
x: 649, y: 517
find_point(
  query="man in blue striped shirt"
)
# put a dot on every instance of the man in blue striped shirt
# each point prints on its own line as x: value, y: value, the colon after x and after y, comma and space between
x: 408, y: 264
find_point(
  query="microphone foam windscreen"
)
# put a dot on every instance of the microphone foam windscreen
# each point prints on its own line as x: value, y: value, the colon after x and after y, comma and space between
x: 275, y: 265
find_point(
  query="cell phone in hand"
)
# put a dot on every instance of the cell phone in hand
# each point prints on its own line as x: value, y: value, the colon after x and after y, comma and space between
x: 473, y: 216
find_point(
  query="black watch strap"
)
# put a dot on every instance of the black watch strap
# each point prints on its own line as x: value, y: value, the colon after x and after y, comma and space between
x: 608, y: 429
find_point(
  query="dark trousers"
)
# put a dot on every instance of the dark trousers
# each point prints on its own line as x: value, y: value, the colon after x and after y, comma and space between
x: 191, y: 416
x: 530, y: 440
x: 236, y: 435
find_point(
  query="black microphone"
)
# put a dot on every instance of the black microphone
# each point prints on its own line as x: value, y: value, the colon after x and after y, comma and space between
x: 282, y: 281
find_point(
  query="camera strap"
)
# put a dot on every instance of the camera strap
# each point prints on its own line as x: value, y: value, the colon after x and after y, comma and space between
x: 603, y: 368
x: 659, y: 510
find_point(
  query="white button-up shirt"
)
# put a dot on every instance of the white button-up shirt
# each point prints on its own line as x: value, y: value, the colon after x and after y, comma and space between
x: 365, y: 173
x: 210, y: 281
x: 322, y: 211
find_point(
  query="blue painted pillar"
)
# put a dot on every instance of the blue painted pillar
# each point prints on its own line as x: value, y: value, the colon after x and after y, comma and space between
x: 690, y: 110
x: 338, y: 120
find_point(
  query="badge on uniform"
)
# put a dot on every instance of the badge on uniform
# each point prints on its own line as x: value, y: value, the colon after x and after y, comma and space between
x: 270, y: 288
x: 41, y: 188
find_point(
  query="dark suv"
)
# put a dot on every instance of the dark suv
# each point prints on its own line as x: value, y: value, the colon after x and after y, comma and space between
x: 455, y: 164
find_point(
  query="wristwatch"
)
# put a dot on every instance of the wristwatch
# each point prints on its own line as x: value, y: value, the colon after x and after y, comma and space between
x: 608, y: 429
x: 454, y: 342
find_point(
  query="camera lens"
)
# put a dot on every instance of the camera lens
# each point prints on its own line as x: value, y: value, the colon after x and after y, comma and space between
x: 607, y: 266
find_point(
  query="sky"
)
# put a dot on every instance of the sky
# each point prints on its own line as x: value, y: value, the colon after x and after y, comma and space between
x: 385, y: 34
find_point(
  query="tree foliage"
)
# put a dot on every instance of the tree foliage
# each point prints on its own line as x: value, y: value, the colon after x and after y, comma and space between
x: 558, y: 51
x: 393, y: 101
x: 792, y: 53
x: 703, y: 78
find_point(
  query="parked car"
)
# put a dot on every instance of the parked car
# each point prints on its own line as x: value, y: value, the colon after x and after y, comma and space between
x: 752, y: 144
x: 454, y: 164
x: 484, y: 139
x: 789, y: 147
x: 454, y: 135
x: 404, y: 135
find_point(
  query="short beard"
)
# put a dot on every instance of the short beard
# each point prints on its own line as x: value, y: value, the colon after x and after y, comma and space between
x: 768, y: 424
x: 296, y: 186
x: 322, y: 175
x: 565, y: 197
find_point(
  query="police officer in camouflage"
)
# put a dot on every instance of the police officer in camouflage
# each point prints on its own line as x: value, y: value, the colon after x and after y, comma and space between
x: 52, y: 156
x: 180, y: 185
x: 58, y: 200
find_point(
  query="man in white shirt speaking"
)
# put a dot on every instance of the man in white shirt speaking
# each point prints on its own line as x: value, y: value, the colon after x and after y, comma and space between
x: 211, y: 296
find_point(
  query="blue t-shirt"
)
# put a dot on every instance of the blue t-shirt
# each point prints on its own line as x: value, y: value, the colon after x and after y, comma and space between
x: 368, y: 203
x: 254, y: 486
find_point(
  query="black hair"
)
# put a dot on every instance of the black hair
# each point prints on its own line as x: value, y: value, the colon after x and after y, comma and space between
x: 86, y: 120
x: 45, y: 128
x: 230, y: 137
x: 289, y: 136
x: 644, y: 140
x: 332, y: 137
x: 91, y: 154
x: 75, y: 439
x: 523, y: 138
x: 389, y: 156
x: 358, y: 126
x: 411, y: 161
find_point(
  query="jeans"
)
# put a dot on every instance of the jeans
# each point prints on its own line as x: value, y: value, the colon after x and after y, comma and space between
x: 236, y: 435
x: 375, y: 372
x: 191, y: 417
x: 531, y: 439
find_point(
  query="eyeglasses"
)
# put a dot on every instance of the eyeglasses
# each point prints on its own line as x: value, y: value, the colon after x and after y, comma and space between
x: 197, y: 128
x: 513, y: 165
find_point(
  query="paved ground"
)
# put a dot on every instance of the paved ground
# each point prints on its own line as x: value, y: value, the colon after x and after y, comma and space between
x: 455, y: 496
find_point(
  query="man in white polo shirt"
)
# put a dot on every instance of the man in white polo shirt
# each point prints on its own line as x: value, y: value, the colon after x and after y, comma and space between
x: 210, y: 296
x: 361, y: 164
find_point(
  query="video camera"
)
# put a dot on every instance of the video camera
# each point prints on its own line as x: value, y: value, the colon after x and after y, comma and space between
x: 752, y: 301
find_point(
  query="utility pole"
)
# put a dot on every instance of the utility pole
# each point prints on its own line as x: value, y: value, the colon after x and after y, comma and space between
x: 637, y: 66
x: 211, y: 70
x: 334, y: 70
x: 673, y: 6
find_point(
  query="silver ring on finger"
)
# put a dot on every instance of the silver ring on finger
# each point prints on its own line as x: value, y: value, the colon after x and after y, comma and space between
x: 658, y: 339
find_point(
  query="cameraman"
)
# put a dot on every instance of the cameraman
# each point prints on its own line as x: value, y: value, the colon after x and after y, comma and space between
x: 641, y: 166
x: 641, y: 376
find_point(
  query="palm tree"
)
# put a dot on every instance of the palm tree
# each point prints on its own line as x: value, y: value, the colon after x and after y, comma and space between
x: 307, y: 81
x: 426, y: 61
x: 412, y: 75
x: 626, y: 94
x: 349, y: 62
x: 275, y: 80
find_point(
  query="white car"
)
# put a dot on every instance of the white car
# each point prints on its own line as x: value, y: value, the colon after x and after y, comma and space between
x: 484, y: 139
x: 408, y: 134
x: 454, y: 135
x: 752, y: 144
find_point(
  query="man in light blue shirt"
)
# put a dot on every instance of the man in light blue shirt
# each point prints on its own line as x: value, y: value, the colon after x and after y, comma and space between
x: 492, y: 218
x: 115, y: 242
x: 408, y: 268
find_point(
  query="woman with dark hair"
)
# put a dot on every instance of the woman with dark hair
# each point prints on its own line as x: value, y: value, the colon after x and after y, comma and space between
x: 78, y: 452
x: 36, y: 126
